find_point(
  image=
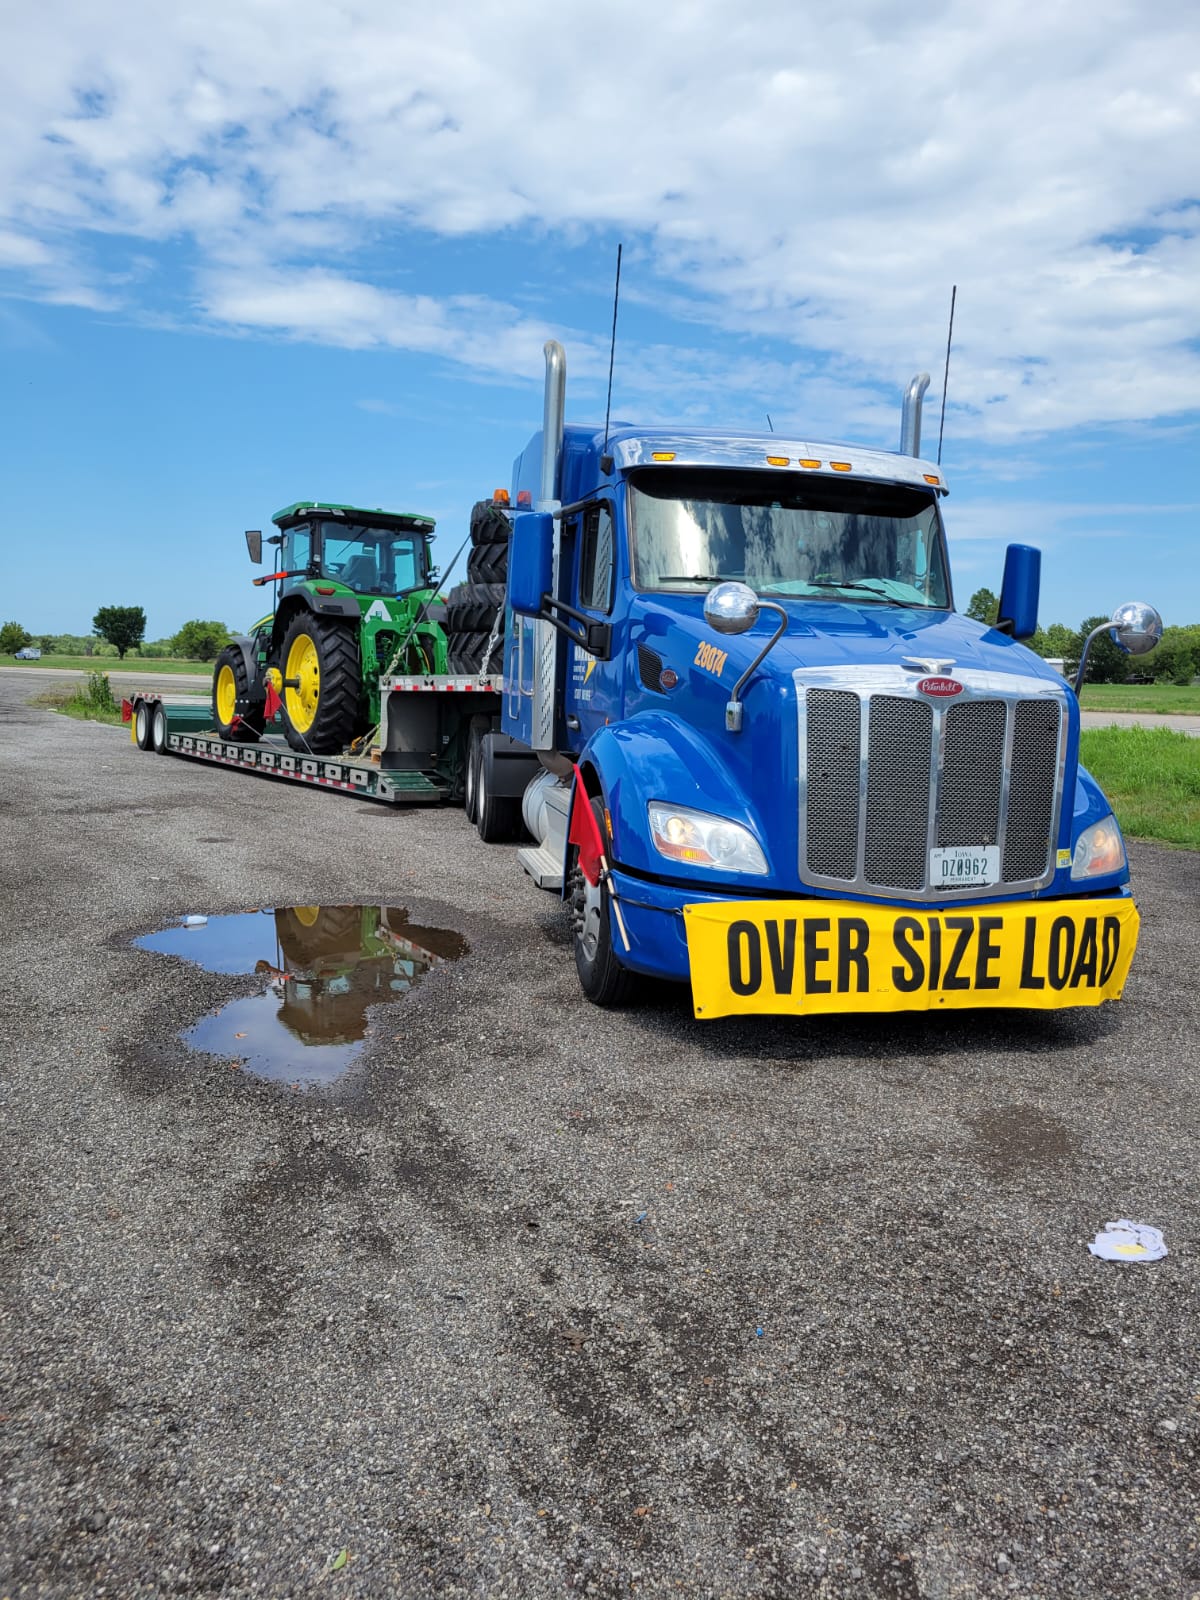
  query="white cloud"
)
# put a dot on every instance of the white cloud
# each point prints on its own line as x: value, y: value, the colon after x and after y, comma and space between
x: 820, y: 179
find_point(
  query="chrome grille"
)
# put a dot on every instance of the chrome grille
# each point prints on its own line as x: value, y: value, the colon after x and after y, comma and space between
x: 833, y: 759
x: 889, y: 773
x: 901, y: 744
x: 1031, y: 791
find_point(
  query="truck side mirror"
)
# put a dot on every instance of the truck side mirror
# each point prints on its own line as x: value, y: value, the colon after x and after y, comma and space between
x: 1019, y: 591
x: 254, y: 545
x: 530, y: 561
x: 1136, y: 627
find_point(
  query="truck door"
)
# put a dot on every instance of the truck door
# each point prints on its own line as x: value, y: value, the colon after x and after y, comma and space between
x: 593, y: 687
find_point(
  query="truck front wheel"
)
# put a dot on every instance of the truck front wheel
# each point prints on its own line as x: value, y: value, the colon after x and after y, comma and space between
x: 601, y: 976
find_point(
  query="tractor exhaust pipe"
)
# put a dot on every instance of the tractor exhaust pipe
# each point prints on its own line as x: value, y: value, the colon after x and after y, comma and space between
x: 553, y: 419
x: 910, y: 416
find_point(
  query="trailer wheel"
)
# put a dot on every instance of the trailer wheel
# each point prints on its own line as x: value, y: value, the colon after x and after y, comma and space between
x: 602, y: 978
x: 236, y: 716
x: 497, y: 817
x: 471, y: 778
x: 158, y: 729
x: 142, y: 728
x: 322, y: 684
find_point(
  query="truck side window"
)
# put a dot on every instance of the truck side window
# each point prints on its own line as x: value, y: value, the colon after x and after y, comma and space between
x: 596, y: 559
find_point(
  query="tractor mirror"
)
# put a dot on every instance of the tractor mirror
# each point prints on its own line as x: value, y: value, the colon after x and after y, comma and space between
x: 254, y: 545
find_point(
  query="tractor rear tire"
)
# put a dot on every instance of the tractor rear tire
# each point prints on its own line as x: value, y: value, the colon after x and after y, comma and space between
x: 466, y: 651
x: 488, y: 563
x: 322, y: 684
x: 489, y: 523
x: 237, y: 711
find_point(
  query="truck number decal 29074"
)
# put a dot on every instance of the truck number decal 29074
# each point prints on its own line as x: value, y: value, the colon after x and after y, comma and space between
x: 711, y: 659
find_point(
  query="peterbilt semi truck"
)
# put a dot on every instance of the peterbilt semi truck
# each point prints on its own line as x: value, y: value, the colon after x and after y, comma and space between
x: 776, y: 762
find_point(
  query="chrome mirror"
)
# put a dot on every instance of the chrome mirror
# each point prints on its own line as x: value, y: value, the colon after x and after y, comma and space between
x: 731, y: 608
x: 1137, y: 626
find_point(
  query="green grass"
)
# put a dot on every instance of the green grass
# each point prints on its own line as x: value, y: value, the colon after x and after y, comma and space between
x: 90, y: 701
x: 110, y: 664
x: 1164, y: 698
x: 1152, y: 777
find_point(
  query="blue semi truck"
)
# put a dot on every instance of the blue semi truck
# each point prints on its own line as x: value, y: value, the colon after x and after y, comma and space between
x: 812, y: 785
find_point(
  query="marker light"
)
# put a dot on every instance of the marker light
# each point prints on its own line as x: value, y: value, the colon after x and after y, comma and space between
x: 1099, y: 850
x: 841, y: 466
x: 932, y: 477
x: 662, y: 455
x: 702, y: 840
x: 803, y: 463
x: 500, y: 497
x: 779, y: 461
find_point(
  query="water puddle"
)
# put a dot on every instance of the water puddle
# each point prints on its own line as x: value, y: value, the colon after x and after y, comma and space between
x: 322, y: 968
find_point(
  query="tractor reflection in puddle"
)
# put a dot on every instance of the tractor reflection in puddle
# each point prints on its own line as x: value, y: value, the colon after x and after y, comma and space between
x: 329, y: 966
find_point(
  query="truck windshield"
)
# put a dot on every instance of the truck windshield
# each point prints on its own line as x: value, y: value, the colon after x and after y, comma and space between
x: 373, y: 560
x: 837, y: 539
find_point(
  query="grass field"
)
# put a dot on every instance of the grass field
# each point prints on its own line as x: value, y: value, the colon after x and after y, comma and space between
x: 1164, y: 698
x: 110, y: 664
x: 1152, y: 777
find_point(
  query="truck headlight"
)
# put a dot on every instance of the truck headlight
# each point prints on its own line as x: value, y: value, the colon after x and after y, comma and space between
x: 702, y: 840
x: 1099, y: 850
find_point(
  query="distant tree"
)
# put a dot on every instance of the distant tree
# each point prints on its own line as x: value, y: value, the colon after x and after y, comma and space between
x: 13, y: 637
x: 1106, y: 662
x: 1057, y: 642
x: 1177, y: 657
x: 200, y: 641
x: 45, y: 643
x: 124, y: 627
x: 984, y: 606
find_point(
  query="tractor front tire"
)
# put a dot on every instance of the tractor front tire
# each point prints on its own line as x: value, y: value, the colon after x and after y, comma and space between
x: 237, y: 713
x: 322, y: 684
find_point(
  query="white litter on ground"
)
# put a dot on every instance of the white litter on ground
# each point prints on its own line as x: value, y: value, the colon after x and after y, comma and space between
x: 1128, y: 1241
x: 194, y: 922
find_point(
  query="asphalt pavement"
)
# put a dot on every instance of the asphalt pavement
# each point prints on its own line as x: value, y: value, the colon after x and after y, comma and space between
x: 541, y: 1300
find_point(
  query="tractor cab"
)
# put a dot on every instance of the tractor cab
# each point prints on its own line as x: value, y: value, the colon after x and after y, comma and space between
x: 367, y: 552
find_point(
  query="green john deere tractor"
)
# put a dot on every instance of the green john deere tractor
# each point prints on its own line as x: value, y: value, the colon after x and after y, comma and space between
x: 356, y: 597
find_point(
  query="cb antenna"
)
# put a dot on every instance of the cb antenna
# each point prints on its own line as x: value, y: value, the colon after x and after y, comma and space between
x: 612, y: 351
x: 946, y: 373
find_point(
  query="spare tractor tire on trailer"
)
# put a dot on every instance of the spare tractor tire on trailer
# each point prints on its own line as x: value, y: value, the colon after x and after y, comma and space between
x: 322, y: 684
x: 237, y: 710
x: 489, y: 523
x: 488, y: 563
x: 467, y: 652
x: 473, y: 607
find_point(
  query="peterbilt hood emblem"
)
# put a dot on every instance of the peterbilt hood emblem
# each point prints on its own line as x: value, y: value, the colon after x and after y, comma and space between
x: 940, y: 688
x: 934, y: 666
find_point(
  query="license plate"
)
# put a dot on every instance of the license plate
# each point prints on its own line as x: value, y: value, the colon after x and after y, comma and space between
x: 960, y: 866
x: 810, y: 956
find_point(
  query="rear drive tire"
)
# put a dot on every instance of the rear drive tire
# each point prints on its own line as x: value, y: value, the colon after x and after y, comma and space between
x: 497, y: 817
x: 602, y: 978
x: 143, y: 729
x: 158, y: 729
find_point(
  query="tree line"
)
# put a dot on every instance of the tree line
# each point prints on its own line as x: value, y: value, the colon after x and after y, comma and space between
x: 1175, y: 660
x: 121, y: 631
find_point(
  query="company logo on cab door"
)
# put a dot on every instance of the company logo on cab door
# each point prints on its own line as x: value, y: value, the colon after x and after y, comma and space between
x: 940, y: 688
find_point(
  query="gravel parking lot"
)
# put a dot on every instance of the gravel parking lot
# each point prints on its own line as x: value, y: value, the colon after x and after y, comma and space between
x: 543, y: 1300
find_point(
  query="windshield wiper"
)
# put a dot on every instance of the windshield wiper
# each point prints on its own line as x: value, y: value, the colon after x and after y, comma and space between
x: 872, y: 585
x: 695, y: 577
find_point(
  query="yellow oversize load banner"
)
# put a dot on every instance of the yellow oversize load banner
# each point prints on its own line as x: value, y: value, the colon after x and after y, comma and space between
x: 809, y: 956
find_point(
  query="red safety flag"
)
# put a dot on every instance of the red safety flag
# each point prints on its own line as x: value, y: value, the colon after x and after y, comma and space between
x: 273, y: 702
x: 126, y: 710
x: 584, y: 831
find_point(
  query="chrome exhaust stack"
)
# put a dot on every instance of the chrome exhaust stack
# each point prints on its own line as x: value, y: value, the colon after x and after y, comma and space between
x: 910, y: 416
x: 553, y: 421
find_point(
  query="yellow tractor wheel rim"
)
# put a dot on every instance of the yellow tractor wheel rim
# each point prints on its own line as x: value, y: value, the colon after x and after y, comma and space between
x: 302, y: 673
x: 226, y: 696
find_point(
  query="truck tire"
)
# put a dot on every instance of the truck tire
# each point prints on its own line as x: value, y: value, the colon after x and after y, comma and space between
x: 322, y: 684
x: 602, y: 978
x: 158, y: 729
x: 143, y: 727
x: 497, y: 817
x: 488, y: 563
x: 489, y: 523
x: 237, y: 713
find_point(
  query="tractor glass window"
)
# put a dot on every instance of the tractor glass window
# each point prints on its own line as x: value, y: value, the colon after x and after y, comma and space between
x: 786, y: 535
x: 596, y: 559
x: 373, y: 560
x: 297, y: 549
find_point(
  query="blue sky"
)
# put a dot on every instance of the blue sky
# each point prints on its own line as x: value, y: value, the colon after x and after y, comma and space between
x: 259, y: 254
